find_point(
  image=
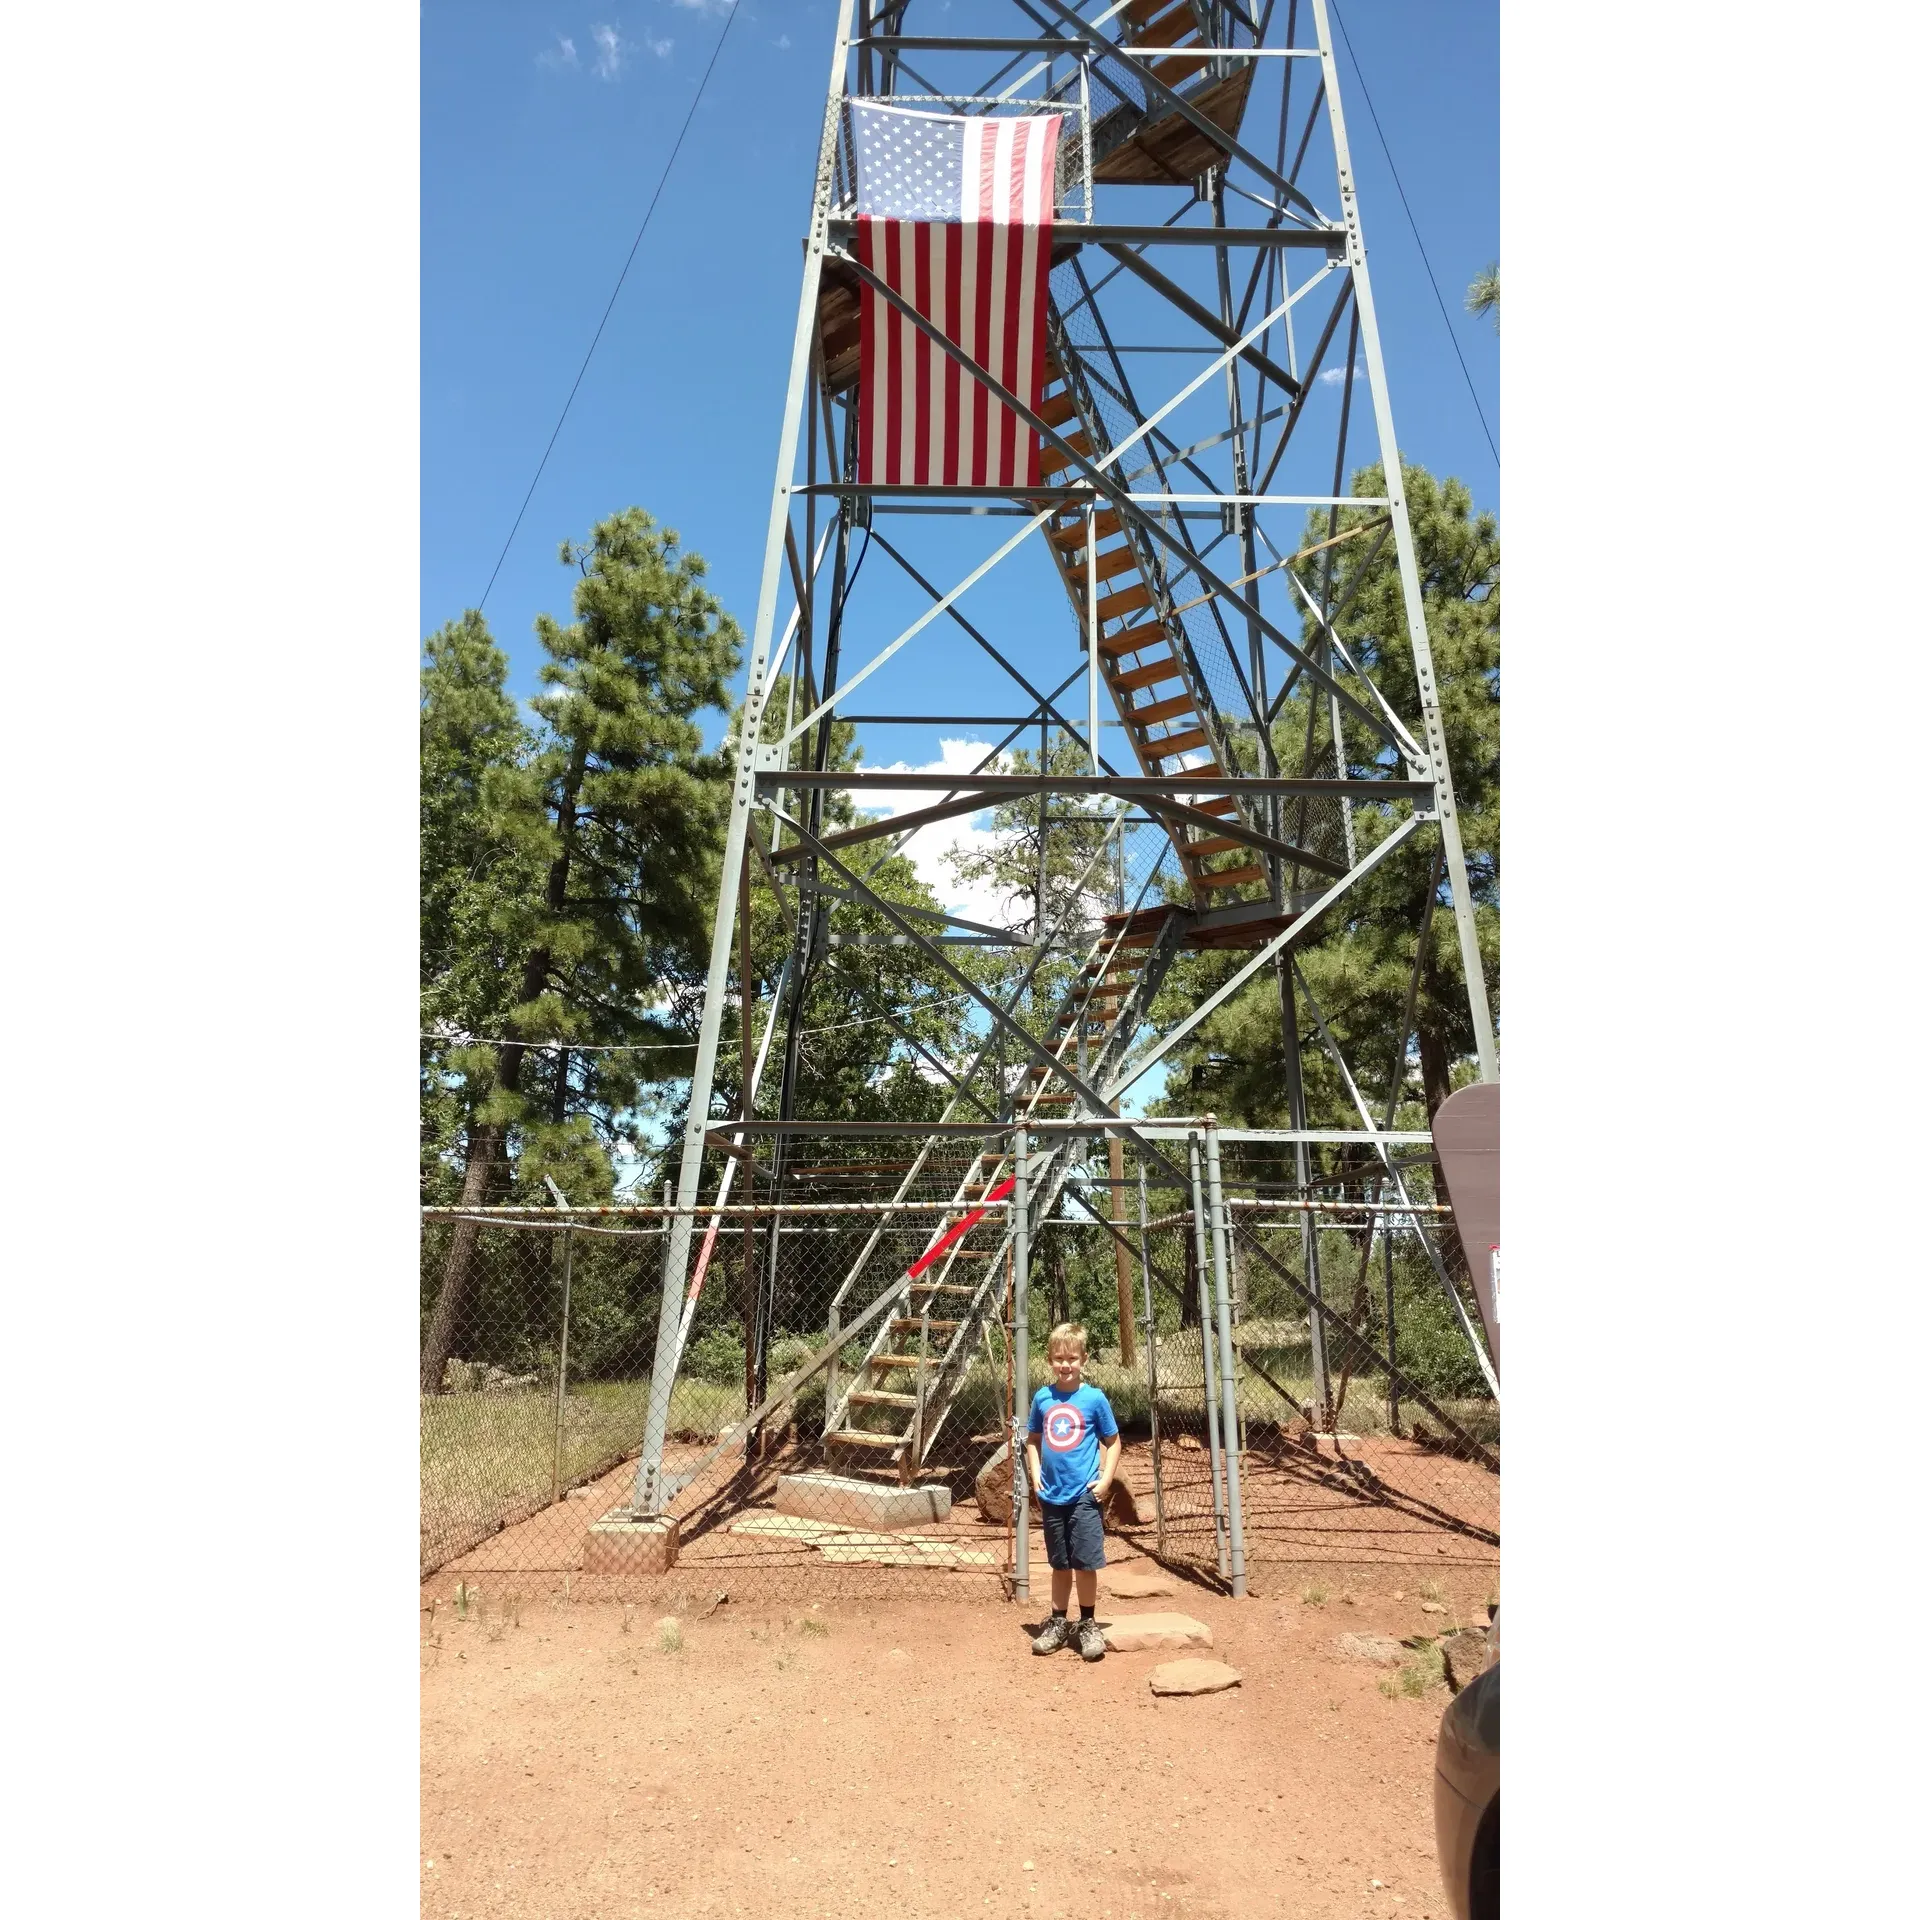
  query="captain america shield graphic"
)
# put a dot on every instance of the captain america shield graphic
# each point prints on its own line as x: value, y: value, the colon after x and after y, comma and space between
x: 1065, y: 1429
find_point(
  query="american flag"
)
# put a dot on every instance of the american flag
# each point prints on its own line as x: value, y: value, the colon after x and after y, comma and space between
x: 956, y: 216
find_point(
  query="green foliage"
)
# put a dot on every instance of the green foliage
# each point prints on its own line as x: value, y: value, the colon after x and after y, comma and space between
x: 1483, y: 293
x: 1431, y: 1349
x: 719, y: 1355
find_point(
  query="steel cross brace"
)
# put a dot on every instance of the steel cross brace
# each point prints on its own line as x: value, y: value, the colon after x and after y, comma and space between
x: 1113, y: 490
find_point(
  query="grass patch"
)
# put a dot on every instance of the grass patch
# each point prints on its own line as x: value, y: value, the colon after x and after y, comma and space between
x: 486, y: 1459
x: 1417, y: 1676
x: 668, y: 1637
x: 1313, y: 1595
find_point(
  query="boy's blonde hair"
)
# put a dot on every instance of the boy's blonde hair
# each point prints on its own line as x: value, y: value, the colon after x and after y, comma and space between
x: 1070, y: 1330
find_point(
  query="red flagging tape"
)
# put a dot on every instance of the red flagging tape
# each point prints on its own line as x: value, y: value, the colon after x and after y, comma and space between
x: 955, y: 1232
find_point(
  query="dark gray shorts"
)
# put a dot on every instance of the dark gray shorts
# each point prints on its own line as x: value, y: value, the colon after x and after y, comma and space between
x: 1073, y: 1533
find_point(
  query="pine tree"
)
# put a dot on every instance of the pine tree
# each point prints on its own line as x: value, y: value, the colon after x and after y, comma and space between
x: 621, y: 810
x: 470, y: 728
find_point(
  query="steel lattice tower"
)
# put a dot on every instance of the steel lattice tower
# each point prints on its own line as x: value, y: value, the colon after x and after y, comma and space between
x: 1215, y: 375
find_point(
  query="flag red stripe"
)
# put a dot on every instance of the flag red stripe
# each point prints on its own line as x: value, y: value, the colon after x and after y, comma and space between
x: 922, y: 236
x: 869, y: 347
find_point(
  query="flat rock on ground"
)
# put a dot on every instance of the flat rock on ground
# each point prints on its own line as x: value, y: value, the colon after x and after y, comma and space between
x: 1379, y: 1647
x: 1149, y: 1632
x: 1192, y: 1676
x: 1138, y: 1583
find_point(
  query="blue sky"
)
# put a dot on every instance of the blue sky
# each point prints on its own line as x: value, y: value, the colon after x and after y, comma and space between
x: 543, y: 130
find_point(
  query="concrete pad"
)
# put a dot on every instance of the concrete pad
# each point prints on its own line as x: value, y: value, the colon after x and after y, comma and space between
x: 1149, y: 1632
x: 1138, y: 1583
x: 1192, y: 1676
x: 860, y: 1503
x: 622, y: 1544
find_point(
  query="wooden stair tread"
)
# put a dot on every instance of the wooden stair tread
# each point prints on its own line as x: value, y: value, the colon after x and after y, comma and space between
x: 1107, y: 566
x: 903, y: 1360
x: 910, y: 1323
x: 1172, y: 708
x: 1233, y: 877
x: 1053, y: 458
x: 1110, y: 606
x: 1174, y: 743
x: 1132, y: 639
x: 1057, y: 409
x: 873, y: 1397
x: 1071, y: 536
x: 856, y: 1437
x: 938, y: 1286
x: 1154, y: 670
x: 1218, y: 843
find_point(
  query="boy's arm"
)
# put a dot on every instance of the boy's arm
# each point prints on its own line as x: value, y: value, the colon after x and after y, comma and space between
x: 1109, y: 1465
x: 1031, y: 1453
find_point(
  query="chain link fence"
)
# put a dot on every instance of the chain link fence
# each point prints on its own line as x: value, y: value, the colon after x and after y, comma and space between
x: 840, y: 1416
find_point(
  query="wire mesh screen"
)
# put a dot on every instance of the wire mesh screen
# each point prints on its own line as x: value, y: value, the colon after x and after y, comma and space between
x: 845, y: 1394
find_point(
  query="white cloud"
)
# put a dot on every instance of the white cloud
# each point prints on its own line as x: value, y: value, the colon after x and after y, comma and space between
x: 558, y: 57
x: 714, y: 7
x: 783, y: 42
x: 1334, y: 375
x: 612, y: 54
x: 966, y: 834
x: 613, y: 47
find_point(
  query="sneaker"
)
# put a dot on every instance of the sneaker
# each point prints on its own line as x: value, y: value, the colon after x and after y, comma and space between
x: 1053, y: 1636
x: 1091, y: 1641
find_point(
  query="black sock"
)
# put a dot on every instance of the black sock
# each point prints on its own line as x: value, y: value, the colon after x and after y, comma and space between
x: 1059, y: 1613
x: 1086, y: 1613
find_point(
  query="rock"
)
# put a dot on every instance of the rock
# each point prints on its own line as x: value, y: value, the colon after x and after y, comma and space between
x: 1189, y: 1442
x: 1464, y: 1655
x: 1138, y: 1583
x: 1149, y: 1632
x: 1431, y: 1606
x: 993, y: 1487
x: 1382, y: 1649
x: 1130, y: 1498
x: 1191, y: 1676
x: 460, y: 1376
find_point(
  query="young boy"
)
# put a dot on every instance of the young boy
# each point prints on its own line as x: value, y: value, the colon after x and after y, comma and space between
x: 1072, y: 1449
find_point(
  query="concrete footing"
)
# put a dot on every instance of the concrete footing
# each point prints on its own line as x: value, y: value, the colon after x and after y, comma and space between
x: 622, y: 1544
x: 860, y: 1503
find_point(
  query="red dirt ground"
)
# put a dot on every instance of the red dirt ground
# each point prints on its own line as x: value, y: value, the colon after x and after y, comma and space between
x: 1298, y: 1508
x: 896, y: 1757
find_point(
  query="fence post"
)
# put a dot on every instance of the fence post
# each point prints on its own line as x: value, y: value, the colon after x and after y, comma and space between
x: 1393, y: 1331
x: 1022, y: 1390
x: 1153, y: 1369
x: 560, y: 1372
x: 1229, y: 1413
x: 1206, y: 1355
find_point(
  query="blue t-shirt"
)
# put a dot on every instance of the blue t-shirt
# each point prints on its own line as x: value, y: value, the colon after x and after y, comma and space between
x: 1070, y: 1428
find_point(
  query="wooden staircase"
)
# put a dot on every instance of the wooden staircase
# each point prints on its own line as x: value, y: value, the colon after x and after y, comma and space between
x: 1145, y: 657
x: 1146, y: 142
x: 890, y: 1416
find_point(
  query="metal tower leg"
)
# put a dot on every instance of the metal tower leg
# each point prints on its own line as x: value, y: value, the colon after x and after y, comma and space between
x: 649, y: 1491
x: 1457, y: 881
x: 1229, y: 1411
